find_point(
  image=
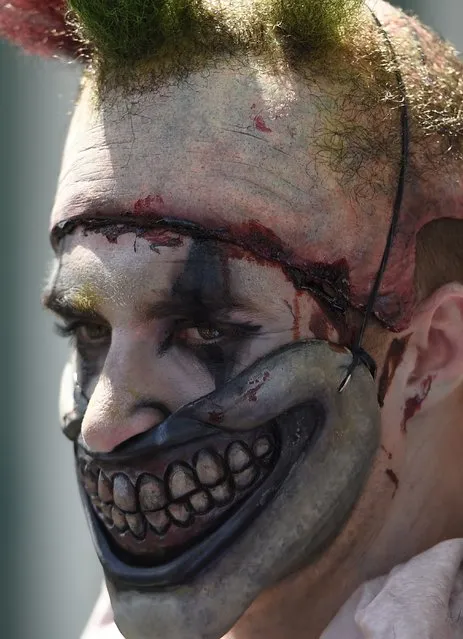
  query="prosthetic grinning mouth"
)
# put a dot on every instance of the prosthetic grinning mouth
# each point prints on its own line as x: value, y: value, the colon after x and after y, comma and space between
x: 170, y: 502
x: 152, y: 512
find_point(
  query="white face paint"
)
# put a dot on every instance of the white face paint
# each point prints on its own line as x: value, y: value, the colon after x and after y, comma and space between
x: 228, y: 151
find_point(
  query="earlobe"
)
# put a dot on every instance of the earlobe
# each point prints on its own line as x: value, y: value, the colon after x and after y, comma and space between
x: 438, y: 340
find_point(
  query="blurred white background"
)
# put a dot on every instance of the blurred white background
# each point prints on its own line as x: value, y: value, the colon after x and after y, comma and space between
x: 50, y: 576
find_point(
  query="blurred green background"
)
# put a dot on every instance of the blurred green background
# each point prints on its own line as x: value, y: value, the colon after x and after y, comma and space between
x: 49, y: 575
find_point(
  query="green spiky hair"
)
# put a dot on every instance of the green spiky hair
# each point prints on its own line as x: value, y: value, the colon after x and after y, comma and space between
x: 166, y: 36
x: 137, y: 44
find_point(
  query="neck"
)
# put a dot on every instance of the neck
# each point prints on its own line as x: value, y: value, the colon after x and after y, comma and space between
x: 302, y: 606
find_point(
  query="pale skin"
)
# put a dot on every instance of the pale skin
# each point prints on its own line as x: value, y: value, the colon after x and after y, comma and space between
x: 177, y: 151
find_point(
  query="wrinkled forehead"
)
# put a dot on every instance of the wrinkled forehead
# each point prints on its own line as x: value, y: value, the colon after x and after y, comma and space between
x: 239, y: 153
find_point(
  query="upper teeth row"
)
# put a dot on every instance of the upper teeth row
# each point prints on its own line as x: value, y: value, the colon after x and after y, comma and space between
x: 209, y: 470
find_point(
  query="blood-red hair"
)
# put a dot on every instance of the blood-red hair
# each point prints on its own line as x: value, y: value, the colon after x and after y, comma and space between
x: 38, y: 26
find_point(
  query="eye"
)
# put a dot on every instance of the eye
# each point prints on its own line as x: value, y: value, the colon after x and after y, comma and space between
x: 187, y: 334
x: 198, y: 335
x: 85, y: 334
x: 209, y: 333
x: 92, y: 333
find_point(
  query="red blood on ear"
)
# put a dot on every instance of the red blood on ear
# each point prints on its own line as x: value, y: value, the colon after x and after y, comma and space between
x: 38, y: 26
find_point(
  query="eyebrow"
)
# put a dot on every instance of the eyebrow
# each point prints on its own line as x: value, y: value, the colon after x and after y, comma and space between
x: 64, y: 305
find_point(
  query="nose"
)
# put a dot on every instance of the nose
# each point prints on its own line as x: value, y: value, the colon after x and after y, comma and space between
x: 122, y: 404
x: 111, y: 418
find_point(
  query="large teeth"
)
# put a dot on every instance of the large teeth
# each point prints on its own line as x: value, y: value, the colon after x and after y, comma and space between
x: 119, y: 519
x: 184, y: 493
x: 180, y: 513
x: 152, y: 493
x: 136, y: 524
x: 159, y: 521
x: 96, y: 501
x: 124, y: 494
x: 91, y: 483
x: 209, y: 468
x: 245, y: 478
x: 238, y: 457
x: 105, y: 488
x: 107, y: 514
x: 181, y: 481
x: 262, y: 446
x: 201, y: 502
x: 222, y: 494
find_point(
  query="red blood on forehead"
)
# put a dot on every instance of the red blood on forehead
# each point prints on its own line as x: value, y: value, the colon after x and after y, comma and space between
x: 38, y: 26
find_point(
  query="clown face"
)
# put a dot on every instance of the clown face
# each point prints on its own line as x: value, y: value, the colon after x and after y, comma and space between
x: 209, y: 268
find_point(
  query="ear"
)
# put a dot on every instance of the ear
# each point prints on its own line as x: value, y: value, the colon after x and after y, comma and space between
x: 436, y: 341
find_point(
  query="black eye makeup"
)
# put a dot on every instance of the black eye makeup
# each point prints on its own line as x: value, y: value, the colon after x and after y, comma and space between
x: 216, y: 345
x: 199, y: 301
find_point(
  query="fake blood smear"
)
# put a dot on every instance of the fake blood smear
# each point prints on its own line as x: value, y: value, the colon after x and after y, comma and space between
x: 216, y: 417
x: 413, y: 404
x: 260, y: 125
x: 251, y: 393
x: 389, y: 455
x: 160, y: 237
x: 259, y: 121
x: 248, y: 240
x: 255, y: 385
x: 393, y: 359
x: 148, y: 204
x: 260, y: 238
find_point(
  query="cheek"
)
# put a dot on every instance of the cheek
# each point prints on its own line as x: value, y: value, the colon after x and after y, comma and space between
x: 299, y: 315
x: 393, y: 438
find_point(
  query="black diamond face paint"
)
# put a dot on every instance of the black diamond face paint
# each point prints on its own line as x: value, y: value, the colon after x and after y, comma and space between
x: 201, y: 291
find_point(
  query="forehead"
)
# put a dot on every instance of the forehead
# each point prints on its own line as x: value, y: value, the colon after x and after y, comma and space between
x: 244, y: 134
x: 230, y: 149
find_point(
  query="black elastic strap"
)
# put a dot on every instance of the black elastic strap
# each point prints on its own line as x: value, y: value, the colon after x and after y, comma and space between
x: 358, y: 354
